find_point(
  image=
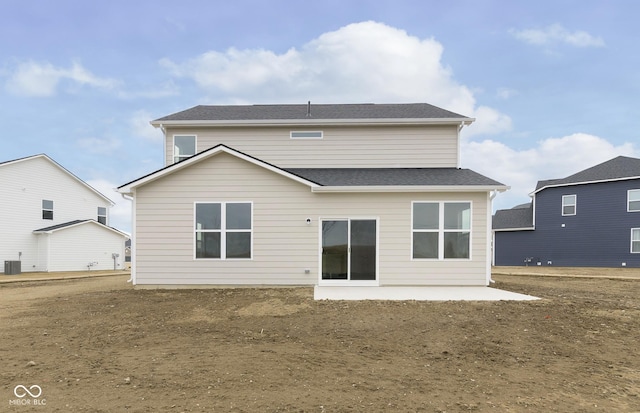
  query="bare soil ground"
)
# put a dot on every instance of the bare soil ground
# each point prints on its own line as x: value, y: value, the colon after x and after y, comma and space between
x: 97, y: 345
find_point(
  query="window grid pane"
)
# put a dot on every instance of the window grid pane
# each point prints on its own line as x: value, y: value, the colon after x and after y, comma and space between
x: 634, y: 200
x: 426, y: 215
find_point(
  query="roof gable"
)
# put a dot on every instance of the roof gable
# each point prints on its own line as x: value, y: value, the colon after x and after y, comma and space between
x: 62, y: 168
x: 221, y: 148
x: 75, y: 223
x: 346, y: 179
x: 312, y: 113
x: 619, y: 168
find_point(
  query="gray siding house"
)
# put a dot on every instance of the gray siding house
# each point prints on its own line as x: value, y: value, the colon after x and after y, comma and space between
x: 338, y: 196
x: 591, y: 218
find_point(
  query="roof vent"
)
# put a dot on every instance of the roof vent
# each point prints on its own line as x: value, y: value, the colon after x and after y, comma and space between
x: 309, y: 109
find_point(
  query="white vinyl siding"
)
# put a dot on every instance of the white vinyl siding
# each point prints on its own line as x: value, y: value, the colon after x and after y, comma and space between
x: 286, y: 249
x: 22, y: 191
x: 633, y: 200
x: 348, y: 147
x: 569, y: 205
x: 83, y: 247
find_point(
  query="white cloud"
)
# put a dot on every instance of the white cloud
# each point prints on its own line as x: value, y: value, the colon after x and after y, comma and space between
x: 100, y: 146
x: 43, y: 79
x: 120, y: 214
x: 361, y: 62
x: 557, y: 34
x: 552, y: 158
x: 141, y: 128
x: 506, y: 93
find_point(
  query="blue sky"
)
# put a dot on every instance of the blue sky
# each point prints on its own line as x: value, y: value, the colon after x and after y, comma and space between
x: 554, y: 85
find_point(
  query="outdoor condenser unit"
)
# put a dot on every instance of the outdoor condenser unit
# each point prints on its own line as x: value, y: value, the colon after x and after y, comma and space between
x: 12, y: 267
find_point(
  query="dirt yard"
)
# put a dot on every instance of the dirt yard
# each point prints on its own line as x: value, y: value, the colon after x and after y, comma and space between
x: 97, y: 345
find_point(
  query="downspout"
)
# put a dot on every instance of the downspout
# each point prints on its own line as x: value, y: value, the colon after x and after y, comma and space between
x: 458, y: 144
x: 490, y: 237
x: 132, y: 278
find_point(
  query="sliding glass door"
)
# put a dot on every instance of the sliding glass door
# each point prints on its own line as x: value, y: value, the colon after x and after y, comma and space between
x: 349, y: 249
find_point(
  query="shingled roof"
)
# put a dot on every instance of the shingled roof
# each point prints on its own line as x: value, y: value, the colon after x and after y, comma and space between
x: 518, y: 217
x: 393, y: 176
x: 311, y: 112
x: 621, y: 167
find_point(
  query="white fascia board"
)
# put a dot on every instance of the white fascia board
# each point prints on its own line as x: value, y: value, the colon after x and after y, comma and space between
x: 312, y: 121
x: 627, y: 178
x: 408, y: 188
x: 514, y: 229
x: 128, y: 188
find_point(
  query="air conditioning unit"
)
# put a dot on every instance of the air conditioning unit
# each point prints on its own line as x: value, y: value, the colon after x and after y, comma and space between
x: 12, y: 267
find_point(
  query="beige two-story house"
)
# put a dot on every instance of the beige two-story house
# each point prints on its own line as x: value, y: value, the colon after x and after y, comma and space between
x: 333, y: 196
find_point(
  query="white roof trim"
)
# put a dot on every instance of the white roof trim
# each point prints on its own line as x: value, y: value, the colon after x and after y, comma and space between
x: 513, y: 229
x: 42, y: 155
x: 411, y: 188
x: 128, y: 188
x: 627, y: 178
x: 312, y: 121
x: 89, y: 221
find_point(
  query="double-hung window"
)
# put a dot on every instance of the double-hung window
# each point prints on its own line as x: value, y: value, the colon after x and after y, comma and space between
x: 102, y: 215
x: 223, y: 230
x: 569, y: 204
x: 47, y: 209
x: 441, y: 230
x: 635, y: 240
x: 184, y: 146
x: 633, y: 200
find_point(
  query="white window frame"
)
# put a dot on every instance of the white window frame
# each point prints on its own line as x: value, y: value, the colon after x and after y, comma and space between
x: 173, y: 147
x: 223, y: 231
x: 632, y: 241
x: 103, y: 215
x: 441, y: 230
x: 47, y: 209
x: 300, y: 134
x: 567, y: 204
x: 629, y: 200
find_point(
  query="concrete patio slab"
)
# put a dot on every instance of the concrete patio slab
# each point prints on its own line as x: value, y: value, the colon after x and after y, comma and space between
x: 418, y: 293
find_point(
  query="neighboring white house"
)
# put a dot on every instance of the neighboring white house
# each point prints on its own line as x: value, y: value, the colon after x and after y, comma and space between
x: 51, y: 220
x: 325, y: 195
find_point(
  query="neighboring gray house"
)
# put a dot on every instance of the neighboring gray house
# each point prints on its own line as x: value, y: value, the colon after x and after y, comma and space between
x: 362, y: 195
x: 51, y: 220
x: 591, y: 218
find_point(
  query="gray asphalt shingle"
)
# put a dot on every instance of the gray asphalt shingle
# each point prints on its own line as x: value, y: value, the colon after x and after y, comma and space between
x: 317, y: 111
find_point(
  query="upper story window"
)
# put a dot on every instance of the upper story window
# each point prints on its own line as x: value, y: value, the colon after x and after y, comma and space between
x: 184, y: 146
x: 441, y: 230
x: 306, y: 134
x: 569, y: 203
x: 47, y: 209
x: 635, y: 240
x: 102, y: 215
x: 633, y: 200
x: 223, y: 230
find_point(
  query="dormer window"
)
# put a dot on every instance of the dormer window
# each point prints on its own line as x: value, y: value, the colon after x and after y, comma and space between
x: 184, y: 146
x: 306, y: 134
